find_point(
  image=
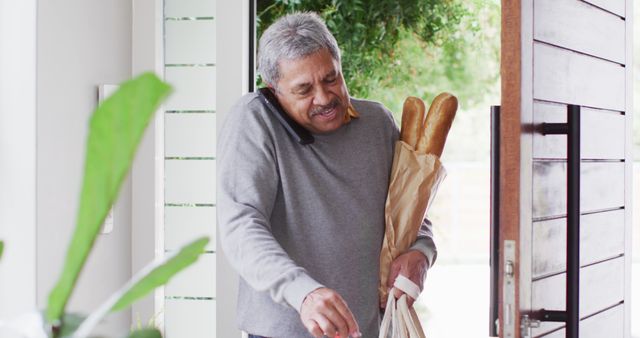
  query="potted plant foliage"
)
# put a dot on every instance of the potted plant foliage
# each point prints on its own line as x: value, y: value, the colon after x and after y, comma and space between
x: 115, y: 130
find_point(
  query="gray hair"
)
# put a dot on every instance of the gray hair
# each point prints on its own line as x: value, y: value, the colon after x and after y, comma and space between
x: 292, y: 37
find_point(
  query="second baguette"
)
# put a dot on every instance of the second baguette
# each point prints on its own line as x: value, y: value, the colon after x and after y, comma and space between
x: 437, y: 124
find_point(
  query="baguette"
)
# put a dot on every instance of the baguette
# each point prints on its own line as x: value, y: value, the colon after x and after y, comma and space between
x: 412, y: 120
x: 437, y: 124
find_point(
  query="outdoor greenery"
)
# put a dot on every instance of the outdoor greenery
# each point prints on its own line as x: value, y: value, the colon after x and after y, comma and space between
x: 368, y: 32
x: 394, y: 49
x: 466, y: 63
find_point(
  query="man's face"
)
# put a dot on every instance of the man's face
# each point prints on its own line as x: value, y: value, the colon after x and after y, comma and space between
x: 312, y: 91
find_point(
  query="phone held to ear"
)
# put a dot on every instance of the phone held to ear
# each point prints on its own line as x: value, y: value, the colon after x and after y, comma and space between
x: 298, y: 132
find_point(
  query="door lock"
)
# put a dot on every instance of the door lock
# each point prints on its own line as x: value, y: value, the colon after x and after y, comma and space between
x: 526, y: 324
x: 509, y: 290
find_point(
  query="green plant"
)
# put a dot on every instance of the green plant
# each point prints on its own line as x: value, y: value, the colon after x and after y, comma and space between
x: 369, y: 32
x: 115, y: 130
x: 466, y: 63
x: 146, y: 280
x: 458, y: 53
x: 1, y: 248
x: 152, y: 322
x: 146, y: 333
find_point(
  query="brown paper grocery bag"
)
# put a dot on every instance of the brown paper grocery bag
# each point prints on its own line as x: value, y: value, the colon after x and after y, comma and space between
x: 413, y: 184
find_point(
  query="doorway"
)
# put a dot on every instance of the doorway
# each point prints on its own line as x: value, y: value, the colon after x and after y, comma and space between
x: 460, y: 56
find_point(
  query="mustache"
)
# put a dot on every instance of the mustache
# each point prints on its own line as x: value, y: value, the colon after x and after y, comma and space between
x: 321, y: 109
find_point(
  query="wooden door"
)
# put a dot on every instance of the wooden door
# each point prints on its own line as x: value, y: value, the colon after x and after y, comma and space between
x: 557, y: 53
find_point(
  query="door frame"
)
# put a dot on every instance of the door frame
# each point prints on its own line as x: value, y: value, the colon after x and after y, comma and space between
x: 232, y: 81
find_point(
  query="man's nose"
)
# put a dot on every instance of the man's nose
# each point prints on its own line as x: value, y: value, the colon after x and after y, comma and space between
x: 322, y: 96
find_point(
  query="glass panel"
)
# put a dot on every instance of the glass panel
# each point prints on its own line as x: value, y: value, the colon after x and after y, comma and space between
x: 189, y: 8
x: 190, y: 318
x: 190, y: 42
x: 190, y: 169
x: 190, y: 135
x: 194, y: 88
x: 190, y: 181
x: 198, y: 280
x: 183, y: 224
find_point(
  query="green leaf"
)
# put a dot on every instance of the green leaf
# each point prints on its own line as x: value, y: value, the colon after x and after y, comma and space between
x: 146, y: 333
x: 161, y: 273
x: 115, y: 130
x: 70, y: 323
x: 150, y: 277
x: 1, y: 248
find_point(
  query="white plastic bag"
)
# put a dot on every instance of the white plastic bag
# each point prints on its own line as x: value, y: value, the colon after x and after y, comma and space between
x: 399, y: 320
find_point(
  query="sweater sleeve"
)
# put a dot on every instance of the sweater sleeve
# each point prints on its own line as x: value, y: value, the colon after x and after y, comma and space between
x: 247, y: 186
x: 424, y: 243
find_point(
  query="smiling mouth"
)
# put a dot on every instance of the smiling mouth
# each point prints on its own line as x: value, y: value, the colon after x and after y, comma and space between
x: 326, y: 112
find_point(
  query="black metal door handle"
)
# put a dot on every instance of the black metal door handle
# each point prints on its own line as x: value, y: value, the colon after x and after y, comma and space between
x: 571, y: 315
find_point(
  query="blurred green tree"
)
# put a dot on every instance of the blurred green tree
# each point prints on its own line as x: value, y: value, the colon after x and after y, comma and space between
x: 392, y: 48
x: 368, y: 32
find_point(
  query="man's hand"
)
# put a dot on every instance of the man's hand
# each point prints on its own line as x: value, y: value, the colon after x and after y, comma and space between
x: 324, y: 312
x: 412, y: 264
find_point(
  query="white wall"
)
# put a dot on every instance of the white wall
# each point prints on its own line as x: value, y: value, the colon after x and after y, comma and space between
x: 146, y: 53
x: 80, y: 44
x: 17, y: 156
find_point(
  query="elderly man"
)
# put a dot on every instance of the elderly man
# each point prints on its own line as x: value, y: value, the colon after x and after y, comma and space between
x: 302, y: 222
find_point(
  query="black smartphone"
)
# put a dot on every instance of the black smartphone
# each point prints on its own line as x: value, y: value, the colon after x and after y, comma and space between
x: 299, y: 133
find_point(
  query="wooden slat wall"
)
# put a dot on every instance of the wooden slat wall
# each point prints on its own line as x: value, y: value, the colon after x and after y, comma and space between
x: 601, y: 238
x: 594, y: 124
x: 601, y: 187
x: 561, y: 75
x: 570, y: 24
x: 579, y: 56
x: 605, y: 324
x: 601, y: 287
x: 629, y: 163
x: 617, y: 7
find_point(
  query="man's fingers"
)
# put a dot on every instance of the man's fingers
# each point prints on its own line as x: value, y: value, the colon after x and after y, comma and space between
x: 393, y: 273
x: 397, y: 293
x: 342, y: 308
x: 337, y: 321
x: 325, y: 310
x: 313, y: 328
x: 327, y: 327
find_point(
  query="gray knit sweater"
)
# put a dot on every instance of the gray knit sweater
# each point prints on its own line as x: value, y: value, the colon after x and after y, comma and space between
x: 293, y: 218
